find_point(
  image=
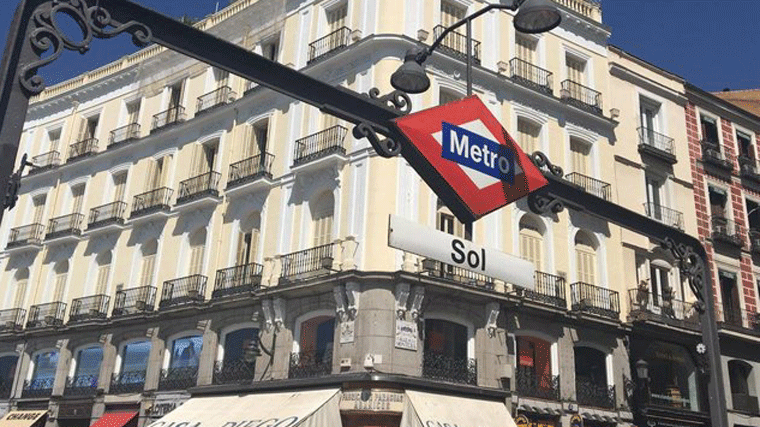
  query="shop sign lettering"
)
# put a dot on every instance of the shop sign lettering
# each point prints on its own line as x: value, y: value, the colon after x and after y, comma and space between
x: 270, y: 422
x: 372, y: 400
x: 406, y: 335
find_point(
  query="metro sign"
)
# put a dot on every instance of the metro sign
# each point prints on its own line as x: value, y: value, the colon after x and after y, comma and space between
x: 469, y: 160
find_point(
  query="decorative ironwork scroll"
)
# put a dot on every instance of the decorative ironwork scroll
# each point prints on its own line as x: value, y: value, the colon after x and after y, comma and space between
x: 396, y: 99
x: 692, y: 267
x: 386, y: 147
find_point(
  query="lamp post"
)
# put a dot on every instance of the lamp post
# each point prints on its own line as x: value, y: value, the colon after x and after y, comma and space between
x: 533, y: 16
x: 642, y: 391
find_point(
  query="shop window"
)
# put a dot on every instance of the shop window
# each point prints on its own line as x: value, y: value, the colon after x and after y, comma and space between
x: 673, y: 377
x: 186, y: 352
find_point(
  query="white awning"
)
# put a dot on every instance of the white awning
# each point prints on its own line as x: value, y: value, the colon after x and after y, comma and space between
x: 314, y: 408
x: 434, y: 410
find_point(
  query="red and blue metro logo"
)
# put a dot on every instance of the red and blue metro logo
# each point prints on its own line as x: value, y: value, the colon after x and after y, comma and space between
x: 469, y: 160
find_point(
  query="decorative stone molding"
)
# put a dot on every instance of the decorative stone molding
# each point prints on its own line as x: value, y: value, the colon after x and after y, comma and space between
x: 419, y: 296
x: 356, y: 35
x: 492, y: 315
x: 502, y: 66
x: 340, y: 303
x: 422, y: 35
x: 409, y: 262
x: 402, y: 297
x: 104, y: 338
x: 352, y: 296
x: 151, y: 332
x: 60, y: 344
x: 266, y: 272
x: 266, y: 308
x: 278, y: 306
x: 348, y: 251
x: 203, y: 325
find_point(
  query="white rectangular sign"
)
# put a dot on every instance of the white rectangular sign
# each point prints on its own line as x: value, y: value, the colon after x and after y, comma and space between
x: 417, y: 239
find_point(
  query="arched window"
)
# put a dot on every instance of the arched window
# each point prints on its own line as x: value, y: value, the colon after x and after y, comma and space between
x: 673, y: 376
x: 183, y: 364
x: 148, y: 263
x: 534, y: 368
x: 322, y: 211
x: 43, y: 374
x: 103, y: 261
x: 237, y: 364
x: 248, y: 240
x: 87, y: 371
x: 22, y: 282
x: 446, y: 96
x: 591, y: 386
x: 445, y: 354
x: 130, y: 376
x: 740, y: 377
x: 531, y: 241
x: 61, y: 271
x: 197, y: 249
x: 315, y: 348
x: 585, y: 258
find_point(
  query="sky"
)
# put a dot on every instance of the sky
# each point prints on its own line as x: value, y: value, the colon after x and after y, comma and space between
x: 713, y: 44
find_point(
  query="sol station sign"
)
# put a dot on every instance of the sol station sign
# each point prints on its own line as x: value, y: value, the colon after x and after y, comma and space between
x: 467, y: 158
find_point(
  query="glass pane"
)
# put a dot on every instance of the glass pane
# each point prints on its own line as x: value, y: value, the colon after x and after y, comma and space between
x: 235, y: 342
x: 186, y: 351
x: 88, y: 361
x: 135, y: 356
x: 45, y: 364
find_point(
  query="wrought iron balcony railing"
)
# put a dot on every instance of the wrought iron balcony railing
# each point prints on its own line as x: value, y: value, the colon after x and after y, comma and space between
x: 127, y: 382
x: 588, y: 8
x: 712, y: 155
x: 455, y: 44
x: 726, y: 231
x: 456, y: 274
x: 664, y: 215
x: 123, y: 135
x: 198, y: 187
x: 329, y: 44
x: 241, y: 279
x: 12, y: 319
x: 38, y: 387
x: 185, y: 290
x: 45, y: 161
x: 529, y: 383
x: 83, y: 148
x: 529, y: 75
x: 657, y: 307
x: 650, y: 139
x: 308, y: 261
x: 50, y: 314
x: 440, y: 367
x: 70, y: 224
x: 738, y: 318
x: 81, y: 385
x: 549, y: 289
x: 754, y: 240
x: 178, y: 378
x: 89, y: 308
x: 168, y: 117
x: 25, y: 235
x: 110, y: 213
x: 152, y: 201
x: 221, y: 96
x: 748, y: 168
x: 581, y: 96
x: 309, y: 364
x: 594, y: 299
x: 250, y: 169
x: 320, y: 144
x: 134, y: 300
x: 233, y: 372
x: 591, y: 185
x: 597, y: 395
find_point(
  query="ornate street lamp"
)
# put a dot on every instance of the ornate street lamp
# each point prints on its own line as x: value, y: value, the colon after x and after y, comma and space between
x: 533, y: 16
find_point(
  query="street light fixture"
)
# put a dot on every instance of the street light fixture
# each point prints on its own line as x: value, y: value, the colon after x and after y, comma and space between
x: 533, y: 16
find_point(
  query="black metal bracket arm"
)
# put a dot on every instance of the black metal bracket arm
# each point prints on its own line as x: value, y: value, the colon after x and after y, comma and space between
x: 14, y: 183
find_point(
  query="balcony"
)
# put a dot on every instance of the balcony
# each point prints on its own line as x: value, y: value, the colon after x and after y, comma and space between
x: 66, y: 227
x: 594, y: 186
x: 12, y: 320
x: 664, y: 215
x: 529, y: 75
x: 43, y: 315
x: 307, y: 263
x: 94, y: 307
x: 201, y: 188
x: 646, y: 306
x: 596, y: 395
x: 329, y: 45
x: 178, y: 378
x: 123, y: 135
x: 319, y: 145
x: 127, y: 382
x: 241, y: 279
x: 45, y: 161
x: 657, y: 145
x: 26, y: 236
x: 595, y: 300
x: 185, y: 290
x: 221, y: 96
x: 81, y: 149
x: 38, y: 388
x: 154, y: 201
x: 738, y: 319
x: 455, y: 274
x: 310, y: 364
x: 81, y: 385
x: 250, y: 170
x: 455, y: 44
x: 167, y: 118
x: 549, y: 290
x: 581, y: 96
x: 726, y: 231
x: 134, y: 301
x: 233, y: 372
x: 440, y: 367
x: 745, y: 403
x: 748, y: 169
x: 531, y: 384
x: 712, y: 156
x: 108, y: 216
x: 589, y: 8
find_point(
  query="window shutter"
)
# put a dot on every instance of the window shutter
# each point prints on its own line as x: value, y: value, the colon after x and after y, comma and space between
x: 196, y: 259
x: 146, y: 273
x: 579, y: 159
x: 78, y: 194
x: 120, y: 184
x: 243, y: 248
x: 133, y: 110
x: 450, y: 14
x: 530, y: 248
x: 526, y: 49
x: 18, y: 301
x: 39, y: 208
x: 60, y: 286
x: 102, y: 281
x: 586, y: 266
x: 336, y: 18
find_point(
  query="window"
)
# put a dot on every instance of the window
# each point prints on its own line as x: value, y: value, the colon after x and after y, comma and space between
x: 248, y: 240
x: 526, y: 49
x: 148, y: 262
x: 753, y: 218
x: 119, y: 186
x: 175, y: 97
x: 77, y: 198
x: 22, y: 281
x: 322, y: 210
x: 659, y: 283
x: 204, y: 158
x: 446, y: 221
x: 88, y: 367
x: 158, y: 173
x: 103, y: 261
x: 534, y: 362
x: 709, y: 128
x: 221, y: 78
x: 271, y: 48
x: 134, y: 357
x: 45, y: 364
x: 740, y: 377
x: 591, y: 377
x: 527, y: 135
x: 336, y: 17
x: 197, y: 249
x: 7, y: 371
x: 718, y: 198
x: 133, y: 111
x: 673, y: 377
x: 54, y: 136
x: 445, y: 96
x: 61, y: 271
x: 446, y: 339
x: 580, y: 153
x: 745, y: 145
x: 235, y: 344
x: 38, y: 208
x: 531, y: 241
x: 88, y: 127
x: 186, y: 352
x: 576, y: 70
x: 585, y: 258
x: 729, y: 294
x: 317, y: 336
x: 649, y: 113
x: 258, y: 139
x: 451, y: 13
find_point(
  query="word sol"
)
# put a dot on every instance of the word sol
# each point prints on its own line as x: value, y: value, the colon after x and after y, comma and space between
x: 474, y: 259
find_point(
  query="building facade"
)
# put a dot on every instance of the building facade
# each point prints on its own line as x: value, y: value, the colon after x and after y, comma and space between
x: 178, y: 217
